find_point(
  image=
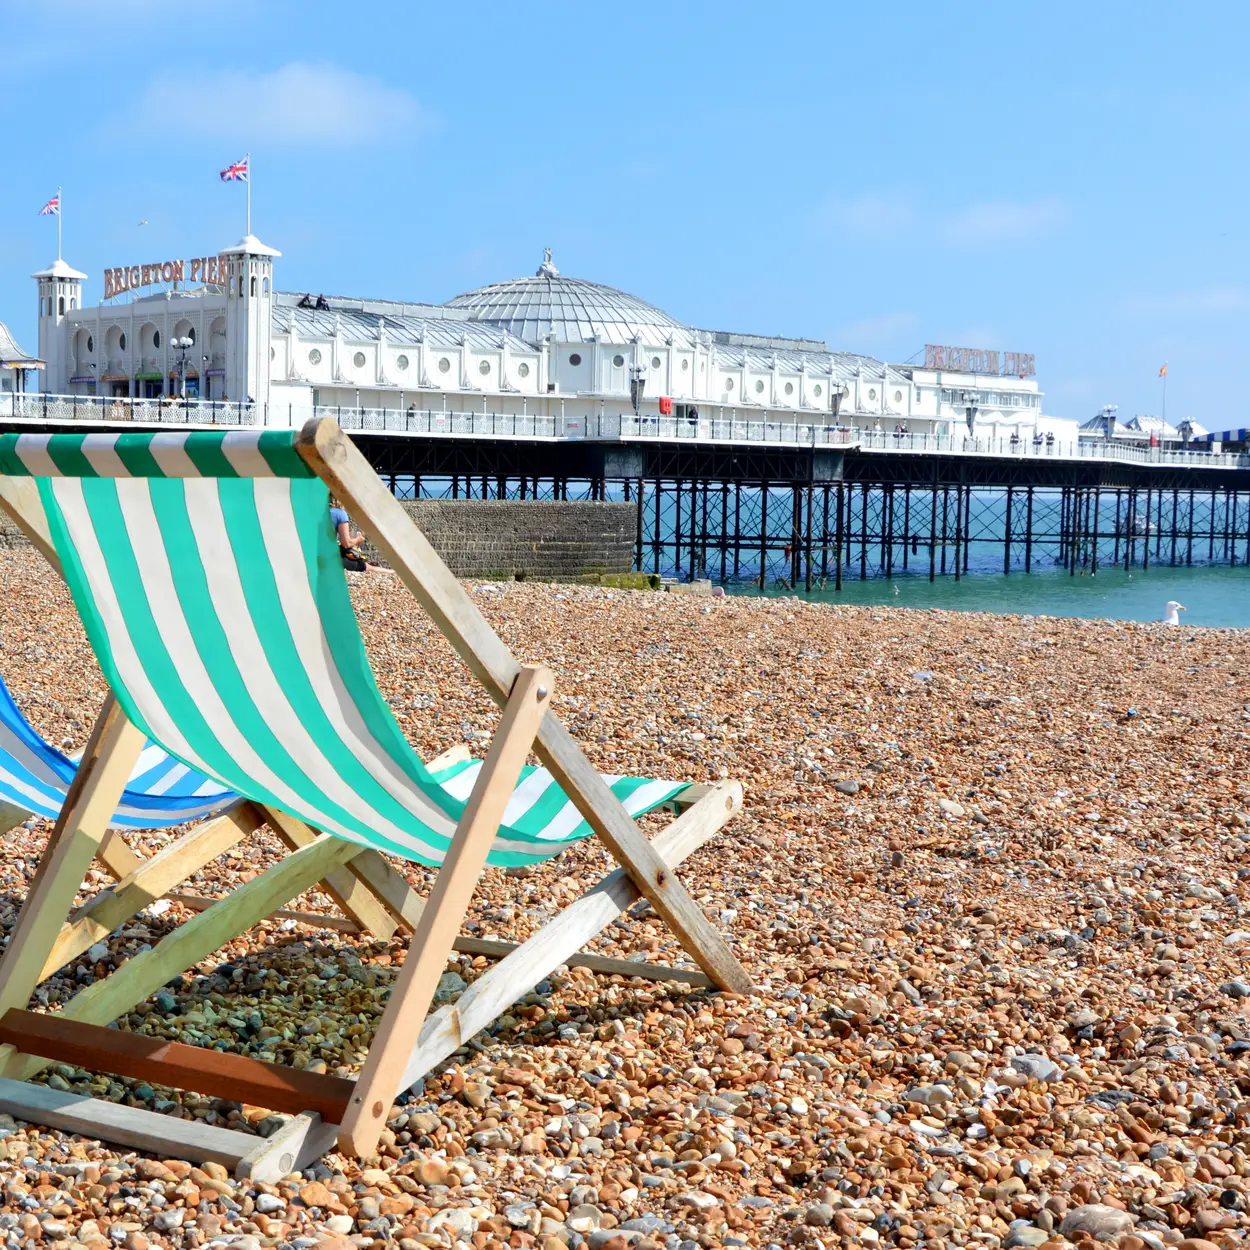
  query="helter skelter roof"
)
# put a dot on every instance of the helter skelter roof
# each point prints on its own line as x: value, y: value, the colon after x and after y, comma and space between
x: 571, y: 309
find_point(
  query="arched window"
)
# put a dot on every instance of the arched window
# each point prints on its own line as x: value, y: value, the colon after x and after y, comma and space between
x: 253, y: 290
x: 264, y: 286
x: 73, y: 303
x: 60, y: 305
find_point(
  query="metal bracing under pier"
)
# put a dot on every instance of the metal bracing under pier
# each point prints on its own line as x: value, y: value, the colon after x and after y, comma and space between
x: 813, y: 517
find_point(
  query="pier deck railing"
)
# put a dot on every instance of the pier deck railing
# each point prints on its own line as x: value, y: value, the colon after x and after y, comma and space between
x: 433, y: 423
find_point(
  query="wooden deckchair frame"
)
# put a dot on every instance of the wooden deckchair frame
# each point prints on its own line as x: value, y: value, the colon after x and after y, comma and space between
x: 408, y: 1041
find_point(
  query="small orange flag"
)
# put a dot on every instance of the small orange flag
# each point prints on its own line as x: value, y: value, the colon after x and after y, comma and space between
x: 1163, y: 373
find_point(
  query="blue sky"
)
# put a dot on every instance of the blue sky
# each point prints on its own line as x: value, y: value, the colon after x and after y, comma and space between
x: 1065, y: 179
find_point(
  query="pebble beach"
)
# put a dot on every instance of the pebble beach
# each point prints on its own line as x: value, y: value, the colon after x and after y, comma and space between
x: 991, y: 882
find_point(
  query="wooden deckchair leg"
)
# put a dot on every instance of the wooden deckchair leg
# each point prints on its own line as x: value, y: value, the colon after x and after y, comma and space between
x: 145, y: 973
x: 116, y: 857
x: 413, y: 992
x: 353, y: 898
x: 111, y: 754
x: 98, y: 918
x: 500, y: 986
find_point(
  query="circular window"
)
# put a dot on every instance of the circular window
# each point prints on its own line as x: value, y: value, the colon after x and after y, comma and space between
x: 872, y: 392
x: 314, y: 356
x: 443, y: 364
x: 156, y: 338
x: 898, y: 397
x: 789, y: 388
x: 816, y: 390
x: 359, y: 360
x: 90, y: 343
x: 685, y: 364
x: 655, y: 362
x: 618, y: 360
x: 401, y: 363
x: 759, y: 388
x: 523, y: 370
x: 121, y: 341
x: 484, y: 367
x: 575, y: 360
x: 729, y: 384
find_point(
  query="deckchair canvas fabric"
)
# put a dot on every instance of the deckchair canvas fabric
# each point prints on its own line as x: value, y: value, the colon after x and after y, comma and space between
x: 207, y: 574
x: 161, y: 791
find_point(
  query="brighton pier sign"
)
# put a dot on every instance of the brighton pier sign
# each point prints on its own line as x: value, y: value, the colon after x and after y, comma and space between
x: 979, y: 360
x: 211, y: 270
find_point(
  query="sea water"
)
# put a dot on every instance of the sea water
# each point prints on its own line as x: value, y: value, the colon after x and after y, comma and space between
x: 1214, y: 596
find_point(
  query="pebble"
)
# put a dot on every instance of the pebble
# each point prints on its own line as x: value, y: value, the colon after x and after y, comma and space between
x: 1101, y: 1222
x: 917, y: 977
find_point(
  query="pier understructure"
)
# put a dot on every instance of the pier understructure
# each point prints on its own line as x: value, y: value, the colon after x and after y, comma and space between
x: 811, y: 518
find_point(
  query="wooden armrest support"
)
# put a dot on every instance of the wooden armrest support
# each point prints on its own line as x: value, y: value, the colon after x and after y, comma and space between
x: 211, y: 1072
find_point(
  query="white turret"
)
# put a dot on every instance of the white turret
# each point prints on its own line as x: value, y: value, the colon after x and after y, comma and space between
x: 249, y: 300
x: 60, y: 293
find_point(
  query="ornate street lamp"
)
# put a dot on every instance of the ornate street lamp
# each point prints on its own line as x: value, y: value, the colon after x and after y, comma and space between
x: 182, y: 346
x: 637, y: 384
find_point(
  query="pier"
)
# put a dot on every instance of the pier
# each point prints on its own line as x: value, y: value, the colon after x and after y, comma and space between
x: 802, y: 506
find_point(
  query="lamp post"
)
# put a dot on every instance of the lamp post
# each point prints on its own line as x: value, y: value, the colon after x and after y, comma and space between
x: 837, y: 393
x: 637, y: 385
x: 969, y: 399
x: 1108, y: 419
x: 182, y: 346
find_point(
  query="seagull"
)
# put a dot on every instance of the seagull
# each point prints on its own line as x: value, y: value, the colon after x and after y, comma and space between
x: 144, y: 222
x: 1170, y: 616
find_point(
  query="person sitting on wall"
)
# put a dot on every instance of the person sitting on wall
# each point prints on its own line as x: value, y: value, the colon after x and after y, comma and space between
x: 323, y: 304
x: 306, y: 301
x: 349, y: 543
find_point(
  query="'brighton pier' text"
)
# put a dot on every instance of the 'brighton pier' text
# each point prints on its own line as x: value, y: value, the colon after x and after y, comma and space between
x: 210, y: 270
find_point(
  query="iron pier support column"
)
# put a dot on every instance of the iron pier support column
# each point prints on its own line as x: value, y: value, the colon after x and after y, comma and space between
x: 863, y: 533
x: 837, y: 541
x: 959, y: 528
x: 906, y: 523
x: 933, y: 534
x: 1093, y: 552
x: 824, y: 538
x: 810, y: 537
x: 1007, y: 533
x: 763, y: 535
x: 1028, y: 531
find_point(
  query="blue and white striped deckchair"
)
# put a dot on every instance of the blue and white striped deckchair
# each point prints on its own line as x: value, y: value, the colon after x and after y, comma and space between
x: 206, y: 572
x: 34, y: 778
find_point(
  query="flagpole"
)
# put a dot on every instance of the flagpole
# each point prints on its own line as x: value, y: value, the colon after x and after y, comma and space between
x: 248, y: 161
x: 60, y: 210
x: 1164, y: 414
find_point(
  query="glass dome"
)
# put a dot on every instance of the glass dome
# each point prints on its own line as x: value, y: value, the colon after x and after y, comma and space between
x: 571, y: 309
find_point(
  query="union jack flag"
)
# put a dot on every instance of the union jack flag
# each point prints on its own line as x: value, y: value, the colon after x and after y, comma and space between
x: 235, y: 172
x: 52, y: 208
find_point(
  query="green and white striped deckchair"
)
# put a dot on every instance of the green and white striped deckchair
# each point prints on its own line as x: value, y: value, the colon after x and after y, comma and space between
x: 208, y: 578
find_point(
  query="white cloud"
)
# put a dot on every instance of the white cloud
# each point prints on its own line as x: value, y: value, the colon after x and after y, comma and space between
x: 296, y: 105
x: 875, y: 213
x: 1213, y: 301
x: 1003, y: 222
x: 890, y: 215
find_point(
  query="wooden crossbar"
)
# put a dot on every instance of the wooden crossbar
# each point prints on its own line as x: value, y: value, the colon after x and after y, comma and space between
x: 213, y: 1072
